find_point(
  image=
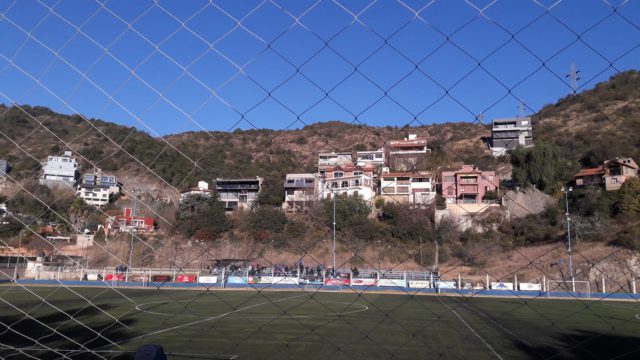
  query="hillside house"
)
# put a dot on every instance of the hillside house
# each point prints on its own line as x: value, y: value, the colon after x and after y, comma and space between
x: 239, y: 193
x: 129, y: 222
x: 373, y: 158
x: 508, y: 134
x: 60, y: 171
x: 347, y: 180
x: 299, y: 191
x: 202, y: 189
x: 329, y: 160
x: 468, y: 185
x: 611, y: 174
x: 98, y: 189
x: 413, y: 188
x: 407, y: 154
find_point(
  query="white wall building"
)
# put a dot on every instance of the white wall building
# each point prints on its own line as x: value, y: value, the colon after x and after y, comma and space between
x: 348, y: 180
x: 97, y: 189
x: 202, y: 190
x: 371, y: 158
x: 414, y: 188
x: 299, y: 191
x: 60, y: 170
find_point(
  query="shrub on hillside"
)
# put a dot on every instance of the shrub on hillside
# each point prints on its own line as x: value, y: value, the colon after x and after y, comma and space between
x: 202, y: 216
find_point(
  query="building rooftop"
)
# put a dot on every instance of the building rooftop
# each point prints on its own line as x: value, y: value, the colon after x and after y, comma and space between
x: 591, y: 171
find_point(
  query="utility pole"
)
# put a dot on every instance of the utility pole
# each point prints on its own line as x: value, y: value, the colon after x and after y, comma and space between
x: 421, y: 263
x: 574, y: 76
x: 566, y: 192
x: 334, y: 231
x: 133, y: 214
x: 522, y: 107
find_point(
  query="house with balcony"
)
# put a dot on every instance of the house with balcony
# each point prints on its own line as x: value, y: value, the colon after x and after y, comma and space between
x: 375, y: 158
x: 415, y: 188
x: 202, y: 189
x: 468, y: 185
x: 328, y: 160
x: 60, y: 171
x: 98, y: 189
x: 407, y: 154
x: 239, y: 193
x: 347, y: 180
x: 299, y: 191
x: 129, y: 222
x: 611, y: 174
x: 508, y: 134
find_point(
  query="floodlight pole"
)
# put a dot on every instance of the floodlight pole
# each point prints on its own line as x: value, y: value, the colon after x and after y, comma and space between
x: 566, y: 192
x: 334, y: 232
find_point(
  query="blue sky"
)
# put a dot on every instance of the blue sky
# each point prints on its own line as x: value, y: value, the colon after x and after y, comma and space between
x: 173, y: 66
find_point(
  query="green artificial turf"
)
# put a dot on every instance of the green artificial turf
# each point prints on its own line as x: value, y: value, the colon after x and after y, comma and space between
x: 112, y: 323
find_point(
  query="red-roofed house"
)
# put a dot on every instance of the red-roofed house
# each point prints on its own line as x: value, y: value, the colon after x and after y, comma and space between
x: 590, y: 176
x: 128, y: 222
x: 612, y: 174
x: 468, y: 185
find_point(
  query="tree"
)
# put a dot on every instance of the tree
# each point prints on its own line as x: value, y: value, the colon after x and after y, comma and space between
x: 542, y: 166
x: 202, y: 216
x: 265, y: 222
x: 350, y: 211
x: 628, y: 202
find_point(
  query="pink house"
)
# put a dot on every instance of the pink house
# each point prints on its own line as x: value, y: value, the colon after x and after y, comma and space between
x: 468, y: 185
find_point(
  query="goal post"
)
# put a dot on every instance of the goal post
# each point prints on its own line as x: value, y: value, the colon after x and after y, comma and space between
x: 571, y: 286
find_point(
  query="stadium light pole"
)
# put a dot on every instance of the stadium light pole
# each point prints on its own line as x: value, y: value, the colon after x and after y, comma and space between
x: 566, y: 192
x: 334, y: 231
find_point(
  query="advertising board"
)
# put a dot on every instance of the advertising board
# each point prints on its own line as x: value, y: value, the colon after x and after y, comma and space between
x: 93, y: 277
x: 529, y: 286
x: 364, y: 282
x: 207, y: 279
x: 115, y: 277
x: 446, y: 284
x: 501, y: 286
x: 186, y: 278
x: 284, y: 280
x: 237, y: 280
x: 334, y: 282
x: 392, y: 282
x: 420, y: 284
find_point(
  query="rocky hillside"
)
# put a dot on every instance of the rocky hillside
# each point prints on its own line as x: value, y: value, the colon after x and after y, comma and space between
x: 597, y: 124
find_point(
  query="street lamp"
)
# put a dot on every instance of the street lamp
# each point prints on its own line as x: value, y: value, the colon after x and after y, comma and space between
x: 566, y: 192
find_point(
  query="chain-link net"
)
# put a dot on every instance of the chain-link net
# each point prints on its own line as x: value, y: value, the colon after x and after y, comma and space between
x: 319, y: 179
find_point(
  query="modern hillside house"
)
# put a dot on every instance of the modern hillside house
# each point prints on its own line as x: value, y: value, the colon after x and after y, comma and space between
x: 238, y: 193
x: 468, y: 185
x: 60, y: 171
x: 97, y: 189
x: 373, y: 158
x: 411, y: 187
x: 408, y: 154
x: 508, y: 134
x: 299, y: 191
x: 347, y: 180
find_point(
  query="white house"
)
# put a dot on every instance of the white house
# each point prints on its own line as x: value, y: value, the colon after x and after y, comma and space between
x: 97, y: 189
x: 347, y: 180
x: 202, y: 190
x: 60, y: 170
x: 411, y: 187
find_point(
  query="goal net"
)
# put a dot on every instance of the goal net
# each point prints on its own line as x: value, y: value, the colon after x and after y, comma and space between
x: 580, y: 287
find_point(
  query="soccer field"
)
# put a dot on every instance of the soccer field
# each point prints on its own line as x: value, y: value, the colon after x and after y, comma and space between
x: 87, y: 323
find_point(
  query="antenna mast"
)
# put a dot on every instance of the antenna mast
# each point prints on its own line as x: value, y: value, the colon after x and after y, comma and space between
x: 574, y: 76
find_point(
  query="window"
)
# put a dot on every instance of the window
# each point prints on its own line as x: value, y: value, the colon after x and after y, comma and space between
x: 344, y: 184
x: 490, y: 177
x: 243, y: 198
x: 334, y: 185
x: 290, y: 181
x: 355, y: 182
x: 378, y: 156
x: 356, y: 173
x: 614, y: 181
x: 289, y: 191
x: 322, y: 173
x: 337, y: 174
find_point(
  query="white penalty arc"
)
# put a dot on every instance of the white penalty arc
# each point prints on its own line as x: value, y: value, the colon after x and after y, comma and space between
x: 362, y: 308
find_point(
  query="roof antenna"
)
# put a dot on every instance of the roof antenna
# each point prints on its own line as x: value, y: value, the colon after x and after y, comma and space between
x: 574, y: 75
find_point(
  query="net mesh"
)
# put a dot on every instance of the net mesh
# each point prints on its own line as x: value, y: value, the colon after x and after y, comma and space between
x: 335, y: 194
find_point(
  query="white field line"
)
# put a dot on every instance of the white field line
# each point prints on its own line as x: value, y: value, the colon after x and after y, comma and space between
x: 212, y: 317
x: 363, y: 308
x: 472, y: 330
